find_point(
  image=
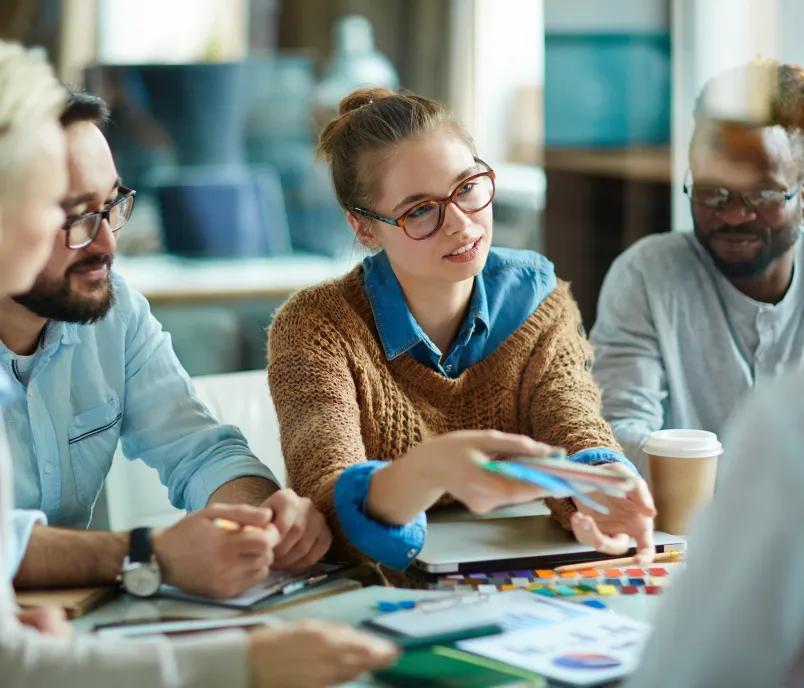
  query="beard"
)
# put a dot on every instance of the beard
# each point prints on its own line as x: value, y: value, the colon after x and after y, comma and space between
x: 52, y: 297
x: 775, y: 243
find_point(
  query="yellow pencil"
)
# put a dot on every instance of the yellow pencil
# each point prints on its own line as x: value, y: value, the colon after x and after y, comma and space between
x: 662, y: 558
x: 226, y: 524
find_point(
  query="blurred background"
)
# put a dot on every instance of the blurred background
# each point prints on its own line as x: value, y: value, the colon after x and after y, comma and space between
x: 582, y: 107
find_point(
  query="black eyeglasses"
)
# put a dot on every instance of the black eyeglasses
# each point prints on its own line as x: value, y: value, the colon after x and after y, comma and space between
x: 426, y: 217
x: 759, y: 200
x: 82, y: 229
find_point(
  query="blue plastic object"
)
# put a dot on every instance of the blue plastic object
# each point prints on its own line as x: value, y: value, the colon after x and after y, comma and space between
x: 223, y: 213
x: 595, y: 604
x: 384, y: 606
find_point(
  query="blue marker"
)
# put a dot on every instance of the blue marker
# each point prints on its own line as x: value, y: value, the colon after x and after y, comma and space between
x: 383, y: 606
x: 595, y: 604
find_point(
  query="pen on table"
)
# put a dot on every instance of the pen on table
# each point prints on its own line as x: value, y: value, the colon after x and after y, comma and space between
x: 295, y: 586
x: 416, y: 642
x: 662, y: 558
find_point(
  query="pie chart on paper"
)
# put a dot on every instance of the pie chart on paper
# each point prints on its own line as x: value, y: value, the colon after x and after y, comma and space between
x: 581, y: 660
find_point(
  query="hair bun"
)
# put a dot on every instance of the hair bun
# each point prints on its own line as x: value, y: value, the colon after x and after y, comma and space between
x: 364, y: 96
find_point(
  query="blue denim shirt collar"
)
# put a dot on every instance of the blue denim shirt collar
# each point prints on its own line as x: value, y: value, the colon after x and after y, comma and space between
x: 398, y: 330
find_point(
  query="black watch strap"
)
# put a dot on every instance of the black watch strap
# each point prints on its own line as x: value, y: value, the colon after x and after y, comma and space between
x: 139, y: 545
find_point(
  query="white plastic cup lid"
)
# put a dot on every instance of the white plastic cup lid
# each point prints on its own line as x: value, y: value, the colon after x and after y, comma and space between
x: 684, y: 444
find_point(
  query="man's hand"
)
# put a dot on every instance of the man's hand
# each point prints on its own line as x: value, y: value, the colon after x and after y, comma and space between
x: 629, y: 517
x: 200, y: 558
x: 50, y: 620
x: 304, y: 536
x: 314, y: 655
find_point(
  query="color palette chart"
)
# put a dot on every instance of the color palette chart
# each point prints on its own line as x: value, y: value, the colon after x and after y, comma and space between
x: 631, y: 580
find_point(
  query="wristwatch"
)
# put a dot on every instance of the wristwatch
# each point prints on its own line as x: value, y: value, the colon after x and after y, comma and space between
x: 140, y: 575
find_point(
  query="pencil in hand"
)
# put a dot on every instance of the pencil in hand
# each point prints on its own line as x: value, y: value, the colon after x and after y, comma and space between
x: 226, y: 524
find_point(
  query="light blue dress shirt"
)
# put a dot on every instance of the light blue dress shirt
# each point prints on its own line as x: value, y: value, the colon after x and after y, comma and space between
x: 508, y: 290
x: 7, y: 394
x: 92, y: 385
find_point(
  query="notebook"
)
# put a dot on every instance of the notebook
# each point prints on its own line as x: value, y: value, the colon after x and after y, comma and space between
x: 74, y: 601
x: 447, y: 667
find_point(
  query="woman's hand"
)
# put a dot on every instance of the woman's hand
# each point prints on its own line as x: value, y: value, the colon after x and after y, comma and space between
x: 451, y: 463
x: 629, y: 517
x: 455, y: 461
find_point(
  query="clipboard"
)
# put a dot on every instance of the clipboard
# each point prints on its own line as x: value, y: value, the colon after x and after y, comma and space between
x: 276, y: 585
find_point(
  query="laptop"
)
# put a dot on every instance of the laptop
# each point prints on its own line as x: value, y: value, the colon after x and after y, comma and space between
x: 518, y: 537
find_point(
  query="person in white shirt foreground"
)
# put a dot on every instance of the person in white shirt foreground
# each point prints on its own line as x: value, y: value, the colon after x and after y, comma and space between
x: 735, y: 617
x: 37, y: 649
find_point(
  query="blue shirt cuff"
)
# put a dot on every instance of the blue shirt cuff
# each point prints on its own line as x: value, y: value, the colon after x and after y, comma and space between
x: 22, y: 523
x: 391, y: 545
x: 597, y: 456
x: 222, y: 470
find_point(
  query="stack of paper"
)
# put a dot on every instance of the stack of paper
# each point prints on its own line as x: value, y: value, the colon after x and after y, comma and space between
x: 564, y: 641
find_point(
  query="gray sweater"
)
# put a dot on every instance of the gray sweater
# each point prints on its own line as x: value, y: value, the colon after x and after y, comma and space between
x: 678, y: 346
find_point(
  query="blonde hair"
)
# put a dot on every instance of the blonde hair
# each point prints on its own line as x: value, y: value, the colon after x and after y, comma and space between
x: 30, y: 95
x: 372, y: 121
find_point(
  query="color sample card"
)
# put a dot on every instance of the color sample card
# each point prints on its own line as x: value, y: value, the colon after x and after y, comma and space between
x: 589, y: 581
x: 555, y: 485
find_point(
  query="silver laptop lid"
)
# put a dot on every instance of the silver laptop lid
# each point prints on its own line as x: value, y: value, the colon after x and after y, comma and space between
x: 524, y: 536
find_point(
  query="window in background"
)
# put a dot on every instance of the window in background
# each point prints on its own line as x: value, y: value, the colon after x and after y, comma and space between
x: 607, y: 86
x: 496, y: 79
x: 745, y: 30
x: 179, y: 31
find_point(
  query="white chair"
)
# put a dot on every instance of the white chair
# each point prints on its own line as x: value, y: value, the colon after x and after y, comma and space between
x: 134, y: 495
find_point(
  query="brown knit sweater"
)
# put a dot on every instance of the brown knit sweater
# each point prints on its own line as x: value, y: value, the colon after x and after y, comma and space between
x: 340, y: 401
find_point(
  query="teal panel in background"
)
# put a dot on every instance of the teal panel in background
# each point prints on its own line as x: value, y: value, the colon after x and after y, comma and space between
x: 607, y: 89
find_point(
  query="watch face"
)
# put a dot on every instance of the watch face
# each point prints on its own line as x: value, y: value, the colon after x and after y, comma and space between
x: 141, y: 580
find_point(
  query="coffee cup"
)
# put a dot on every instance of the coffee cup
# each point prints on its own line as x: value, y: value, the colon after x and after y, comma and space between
x: 683, y: 465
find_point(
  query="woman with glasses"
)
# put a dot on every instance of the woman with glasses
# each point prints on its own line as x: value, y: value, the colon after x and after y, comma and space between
x: 394, y: 383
